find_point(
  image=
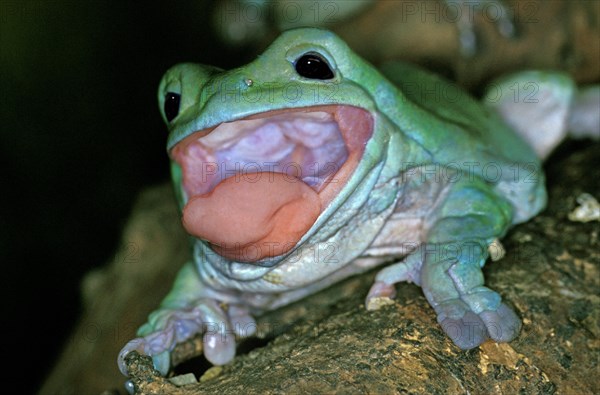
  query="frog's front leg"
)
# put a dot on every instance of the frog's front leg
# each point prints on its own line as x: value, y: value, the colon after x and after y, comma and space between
x: 448, y: 267
x: 191, y: 308
x: 468, y: 311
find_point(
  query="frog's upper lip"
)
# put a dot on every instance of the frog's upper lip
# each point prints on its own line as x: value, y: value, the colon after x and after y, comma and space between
x: 319, y: 145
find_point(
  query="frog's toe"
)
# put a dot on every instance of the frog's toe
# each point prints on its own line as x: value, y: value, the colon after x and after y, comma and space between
x: 162, y: 362
x: 157, y: 345
x: 244, y: 325
x: 467, y: 331
x: 380, y: 294
x: 502, y: 325
x: 219, y: 347
x: 137, y: 344
x: 166, y: 328
x: 219, y: 337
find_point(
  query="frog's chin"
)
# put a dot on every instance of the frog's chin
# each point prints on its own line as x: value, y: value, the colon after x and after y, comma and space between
x: 255, y: 186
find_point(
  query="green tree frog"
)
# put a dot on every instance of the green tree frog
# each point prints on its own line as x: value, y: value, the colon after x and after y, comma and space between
x: 308, y: 165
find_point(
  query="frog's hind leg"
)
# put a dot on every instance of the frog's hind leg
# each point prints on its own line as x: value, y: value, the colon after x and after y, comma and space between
x: 584, y: 117
x: 545, y: 107
x: 542, y: 107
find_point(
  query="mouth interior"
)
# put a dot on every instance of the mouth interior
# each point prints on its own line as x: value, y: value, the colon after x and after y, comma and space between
x: 307, y: 146
x: 266, y: 178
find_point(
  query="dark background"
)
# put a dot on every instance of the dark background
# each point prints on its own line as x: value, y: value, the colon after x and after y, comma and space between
x: 81, y: 136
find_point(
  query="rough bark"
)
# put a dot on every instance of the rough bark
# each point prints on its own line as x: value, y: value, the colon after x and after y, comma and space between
x: 330, y: 343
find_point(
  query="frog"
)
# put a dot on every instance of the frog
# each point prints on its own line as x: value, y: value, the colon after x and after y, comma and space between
x: 309, y: 165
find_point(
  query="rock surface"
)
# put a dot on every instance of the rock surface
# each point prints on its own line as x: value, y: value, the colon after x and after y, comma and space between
x: 329, y: 343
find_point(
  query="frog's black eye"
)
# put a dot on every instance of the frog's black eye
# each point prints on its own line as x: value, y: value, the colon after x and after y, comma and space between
x: 312, y: 65
x: 171, y: 105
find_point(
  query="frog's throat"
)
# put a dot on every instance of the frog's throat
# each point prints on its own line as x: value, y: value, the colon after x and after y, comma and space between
x: 253, y: 187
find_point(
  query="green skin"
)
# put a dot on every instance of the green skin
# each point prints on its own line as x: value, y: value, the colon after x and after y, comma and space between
x: 451, y: 173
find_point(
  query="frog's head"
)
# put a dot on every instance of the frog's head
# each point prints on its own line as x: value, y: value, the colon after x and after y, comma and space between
x: 263, y: 154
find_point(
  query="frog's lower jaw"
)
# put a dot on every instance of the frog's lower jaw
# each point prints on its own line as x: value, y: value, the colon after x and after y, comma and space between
x: 257, y: 185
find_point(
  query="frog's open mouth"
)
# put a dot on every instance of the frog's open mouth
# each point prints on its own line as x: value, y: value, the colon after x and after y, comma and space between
x: 254, y: 186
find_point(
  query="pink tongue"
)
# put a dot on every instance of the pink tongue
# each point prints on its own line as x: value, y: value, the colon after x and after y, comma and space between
x: 253, y: 216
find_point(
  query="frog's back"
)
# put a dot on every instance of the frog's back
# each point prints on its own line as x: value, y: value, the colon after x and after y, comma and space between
x: 459, y: 131
x: 485, y: 132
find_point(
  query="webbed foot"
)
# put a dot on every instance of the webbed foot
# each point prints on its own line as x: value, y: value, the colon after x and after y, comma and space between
x: 469, y: 312
x: 168, y: 327
x: 468, y: 329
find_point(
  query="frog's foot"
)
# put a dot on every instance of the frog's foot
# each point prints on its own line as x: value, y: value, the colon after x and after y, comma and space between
x: 383, y: 291
x: 468, y: 328
x: 168, y: 327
